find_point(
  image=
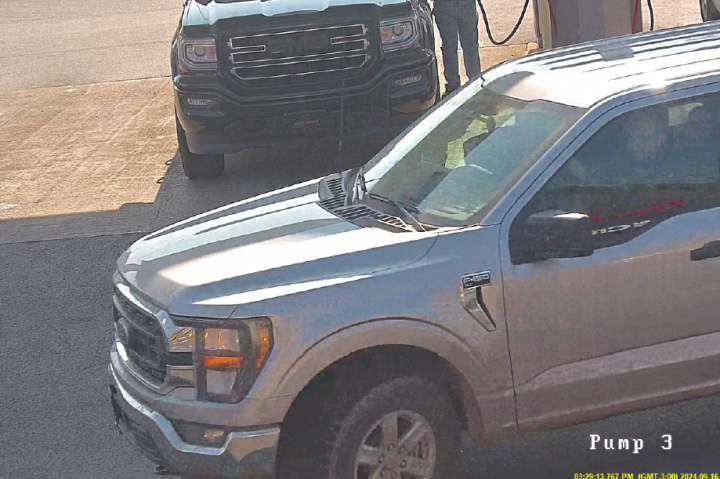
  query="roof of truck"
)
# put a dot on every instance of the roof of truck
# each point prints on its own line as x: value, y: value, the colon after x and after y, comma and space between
x: 585, y: 74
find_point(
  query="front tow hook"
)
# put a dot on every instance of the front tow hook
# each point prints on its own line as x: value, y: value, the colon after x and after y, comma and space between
x: 163, y: 471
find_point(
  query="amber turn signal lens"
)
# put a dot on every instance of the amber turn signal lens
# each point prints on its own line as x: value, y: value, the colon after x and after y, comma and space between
x: 264, y: 350
x: 222, y: 362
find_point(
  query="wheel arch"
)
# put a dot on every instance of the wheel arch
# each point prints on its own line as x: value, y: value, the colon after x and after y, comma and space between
x: 398, y: 343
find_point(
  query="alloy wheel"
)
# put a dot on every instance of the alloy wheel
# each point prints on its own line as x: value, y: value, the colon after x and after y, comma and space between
x: 401, y: 445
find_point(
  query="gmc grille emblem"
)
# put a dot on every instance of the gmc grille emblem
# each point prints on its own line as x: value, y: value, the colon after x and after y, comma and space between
x: 298, y: 45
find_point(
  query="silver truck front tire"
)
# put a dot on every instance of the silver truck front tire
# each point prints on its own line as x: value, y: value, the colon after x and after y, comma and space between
x: 404, y: 427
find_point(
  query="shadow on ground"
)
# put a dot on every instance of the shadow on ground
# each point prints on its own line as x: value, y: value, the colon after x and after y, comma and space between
x: 248, y: 174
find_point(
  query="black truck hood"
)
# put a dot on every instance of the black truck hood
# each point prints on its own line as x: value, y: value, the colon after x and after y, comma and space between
x: 210, y: 13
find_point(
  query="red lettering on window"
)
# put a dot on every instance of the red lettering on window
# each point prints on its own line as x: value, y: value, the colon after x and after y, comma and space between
x: 655, y: 207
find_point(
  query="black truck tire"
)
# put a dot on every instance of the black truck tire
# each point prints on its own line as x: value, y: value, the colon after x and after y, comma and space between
x: 340, y: 439
x: 709, y: 13
x: 197, y: 166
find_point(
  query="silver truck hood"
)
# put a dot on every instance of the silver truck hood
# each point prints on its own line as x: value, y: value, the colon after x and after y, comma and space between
x: 185, y: 268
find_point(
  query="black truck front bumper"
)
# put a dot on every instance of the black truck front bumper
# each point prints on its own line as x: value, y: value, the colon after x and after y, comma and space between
x: 217, y: 122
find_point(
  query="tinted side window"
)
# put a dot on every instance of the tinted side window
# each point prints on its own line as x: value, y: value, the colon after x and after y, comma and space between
x: 637, y: 171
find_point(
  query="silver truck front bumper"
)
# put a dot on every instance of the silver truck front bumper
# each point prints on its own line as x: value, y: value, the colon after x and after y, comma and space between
x: 245, y: 453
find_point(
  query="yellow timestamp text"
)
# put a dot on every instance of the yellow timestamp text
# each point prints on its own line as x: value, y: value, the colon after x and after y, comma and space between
x: 653, y: 475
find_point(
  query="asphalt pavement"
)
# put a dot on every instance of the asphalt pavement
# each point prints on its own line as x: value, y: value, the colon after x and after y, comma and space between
x: 88, y: 165
x: 72, y: 42
x: 56, y: 420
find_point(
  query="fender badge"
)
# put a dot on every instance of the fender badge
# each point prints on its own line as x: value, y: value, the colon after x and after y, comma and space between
x: 476, y: 280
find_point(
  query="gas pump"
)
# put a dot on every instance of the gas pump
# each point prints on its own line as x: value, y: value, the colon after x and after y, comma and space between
x: 567, y: 22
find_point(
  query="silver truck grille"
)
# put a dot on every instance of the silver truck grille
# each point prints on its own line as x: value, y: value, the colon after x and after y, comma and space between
x: 144, y: 340
x: 326, y: 53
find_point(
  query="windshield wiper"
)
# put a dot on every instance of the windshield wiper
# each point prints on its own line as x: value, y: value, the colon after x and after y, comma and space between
x: 406, y: 211
x: 353, y: 183
x: 360, y: 186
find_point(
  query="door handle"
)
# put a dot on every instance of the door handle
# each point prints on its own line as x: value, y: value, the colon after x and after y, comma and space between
x: 709, y: 250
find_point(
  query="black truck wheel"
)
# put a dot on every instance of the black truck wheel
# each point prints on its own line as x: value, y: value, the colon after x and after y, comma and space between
x: 709, y: 11
x: 197, y: 166
x: 403, y: 427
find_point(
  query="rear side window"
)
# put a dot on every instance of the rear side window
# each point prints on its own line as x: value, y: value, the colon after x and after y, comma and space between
x: 639, y: 170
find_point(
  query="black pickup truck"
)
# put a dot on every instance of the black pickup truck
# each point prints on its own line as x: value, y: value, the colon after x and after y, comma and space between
x: 255, y: 73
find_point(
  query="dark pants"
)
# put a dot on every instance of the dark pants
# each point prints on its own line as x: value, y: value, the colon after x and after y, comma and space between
x: 458, y: 19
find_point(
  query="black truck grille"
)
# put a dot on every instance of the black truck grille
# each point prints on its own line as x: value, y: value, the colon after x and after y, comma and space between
x: 326, y: 53
x: 144, y: 340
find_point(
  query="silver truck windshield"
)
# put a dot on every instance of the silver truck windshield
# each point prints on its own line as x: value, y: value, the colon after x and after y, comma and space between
x: 459, y: 160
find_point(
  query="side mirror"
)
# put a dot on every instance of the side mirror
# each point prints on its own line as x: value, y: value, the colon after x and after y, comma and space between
x: 558, y: 234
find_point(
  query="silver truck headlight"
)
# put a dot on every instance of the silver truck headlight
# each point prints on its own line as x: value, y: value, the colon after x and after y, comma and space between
x: 198, y: 53
x: 398, y: 33
x: 229, y: 356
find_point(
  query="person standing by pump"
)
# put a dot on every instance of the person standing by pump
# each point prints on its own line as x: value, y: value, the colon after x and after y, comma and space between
x: 458, y: 19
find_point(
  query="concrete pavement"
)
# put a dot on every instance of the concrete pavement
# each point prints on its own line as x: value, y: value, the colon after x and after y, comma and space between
x: 54, y: 43
x: 96, y: 159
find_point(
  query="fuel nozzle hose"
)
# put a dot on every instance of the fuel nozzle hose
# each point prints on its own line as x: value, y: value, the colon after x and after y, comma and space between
x: 514, y: 30
x: 637, y: 14
x: 652, y: 15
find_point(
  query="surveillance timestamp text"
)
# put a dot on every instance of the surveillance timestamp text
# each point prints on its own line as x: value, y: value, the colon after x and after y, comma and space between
x: 654, y: 475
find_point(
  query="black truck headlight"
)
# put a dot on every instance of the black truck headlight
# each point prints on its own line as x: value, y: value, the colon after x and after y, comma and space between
x: 398, y: 33
x: 198, y: 53
x: 229, y: 356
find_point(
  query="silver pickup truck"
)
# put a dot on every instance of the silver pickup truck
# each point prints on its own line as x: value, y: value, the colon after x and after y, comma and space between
x: 541, y: 249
